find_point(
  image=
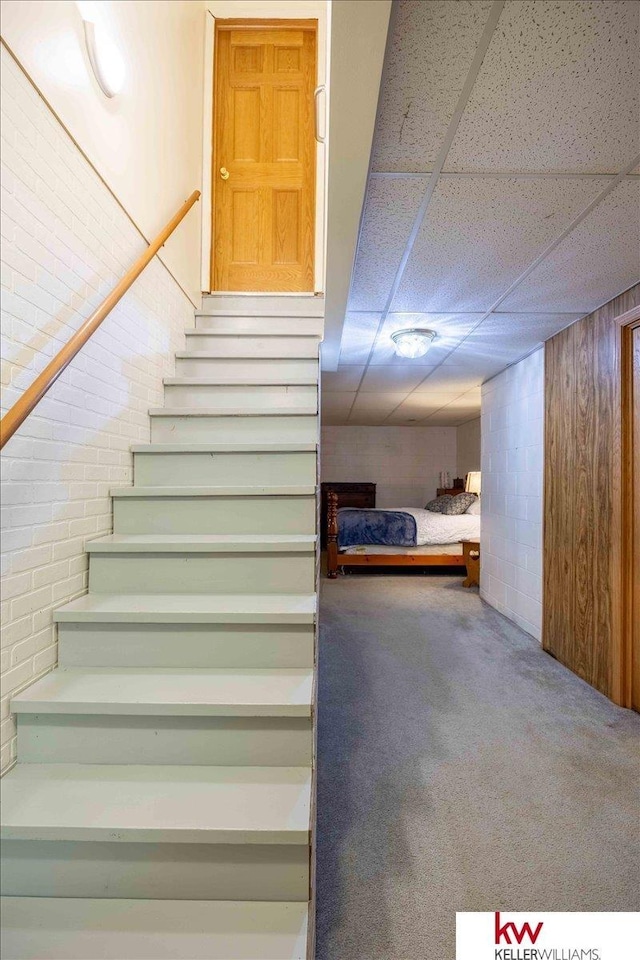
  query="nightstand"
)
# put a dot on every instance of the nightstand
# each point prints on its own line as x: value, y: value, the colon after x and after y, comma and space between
x: 471, y: 554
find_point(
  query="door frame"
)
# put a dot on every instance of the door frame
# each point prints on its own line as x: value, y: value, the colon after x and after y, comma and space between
x: 290, y: 10
x: 622, y: 534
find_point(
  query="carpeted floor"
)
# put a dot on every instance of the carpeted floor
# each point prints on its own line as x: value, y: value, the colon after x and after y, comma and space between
x: 460, y: 768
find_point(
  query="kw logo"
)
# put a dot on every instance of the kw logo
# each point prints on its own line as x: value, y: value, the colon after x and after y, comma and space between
x: 507, y: 928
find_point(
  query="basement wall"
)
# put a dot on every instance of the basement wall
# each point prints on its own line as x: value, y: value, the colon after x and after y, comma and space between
x: 468, y: 444
x: 404, y: 462
x: 66, y: 242
x: 512, y: 470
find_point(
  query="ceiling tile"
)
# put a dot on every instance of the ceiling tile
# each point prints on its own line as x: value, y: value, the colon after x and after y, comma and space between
x: 378, y: 403
x: 389, y: 211
x: 337, y: 404
x: 346, y: 377
x: 358, y: 334
x: 558, y: 90
x: 393, y: 377
x: 597, y: 261
x: 451, y: 381
x: 431, y: 50
x: 481, y: 233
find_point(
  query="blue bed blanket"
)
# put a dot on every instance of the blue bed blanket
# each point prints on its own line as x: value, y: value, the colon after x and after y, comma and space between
x: 390, y: 528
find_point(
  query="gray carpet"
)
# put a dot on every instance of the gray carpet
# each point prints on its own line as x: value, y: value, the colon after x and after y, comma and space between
x: 460, y: 768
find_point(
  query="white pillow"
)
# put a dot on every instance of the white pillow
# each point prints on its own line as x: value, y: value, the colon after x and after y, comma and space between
x: 474, y: 509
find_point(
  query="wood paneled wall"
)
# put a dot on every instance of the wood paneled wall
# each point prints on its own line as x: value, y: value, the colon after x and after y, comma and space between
x: 582, y: 601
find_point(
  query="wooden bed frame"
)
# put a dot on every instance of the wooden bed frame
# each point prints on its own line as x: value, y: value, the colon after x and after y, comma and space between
x: 335, y: 559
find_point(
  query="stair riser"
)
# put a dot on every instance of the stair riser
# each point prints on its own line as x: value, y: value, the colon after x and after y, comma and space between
x: 178, y: 871
x: 218, y: 397
x: 247, y: 429
x: 230, y: 346
x: 218, y: 741
x: 243, y: 515
x: 237, y: 371
x: 261, y: 306
x: 214, y: 573
x: 224, y: 469
x: 259, y: 326
x: 185, y: 645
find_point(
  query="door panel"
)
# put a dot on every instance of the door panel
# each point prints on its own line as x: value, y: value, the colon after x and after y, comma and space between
x: 264, y: 211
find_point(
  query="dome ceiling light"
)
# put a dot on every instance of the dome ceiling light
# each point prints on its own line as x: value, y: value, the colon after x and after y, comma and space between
x: 412, y: 342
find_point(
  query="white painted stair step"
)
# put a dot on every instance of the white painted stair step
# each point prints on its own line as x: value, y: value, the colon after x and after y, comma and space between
x: 227, y: 345
x: 157, y: 804
x: 266, y: 304
x: 162, y: 692
x: 273, y: 396
x: 200, y: 363
x: 207, y: 464
x: 202, y: 563
x: 108, y: 929
x: 181, y: 608
x: 211, y: 510
x: 197, y: 426
x: 219, y: 322
x: 243, y: 646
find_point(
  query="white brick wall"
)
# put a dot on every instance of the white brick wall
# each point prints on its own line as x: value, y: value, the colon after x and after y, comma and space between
x: 65, y: 243
x: 405, y: 462
x: 512, y: 472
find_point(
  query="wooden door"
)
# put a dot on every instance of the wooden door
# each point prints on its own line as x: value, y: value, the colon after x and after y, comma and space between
x: 264, y: 156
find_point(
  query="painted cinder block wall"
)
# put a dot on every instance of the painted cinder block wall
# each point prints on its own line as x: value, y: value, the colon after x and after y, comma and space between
x: 512, y: 475
x: 66, y: 242
x: 404, y: 462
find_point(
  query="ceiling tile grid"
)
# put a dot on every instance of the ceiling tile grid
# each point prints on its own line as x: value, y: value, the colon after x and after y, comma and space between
x: 389, y: 211
x: 508, y: 251
x: 558, y: 90
x: 430, y: 53
x: 481, y: 233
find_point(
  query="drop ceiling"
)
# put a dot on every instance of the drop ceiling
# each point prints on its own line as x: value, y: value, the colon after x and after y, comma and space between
x: 503, y: 201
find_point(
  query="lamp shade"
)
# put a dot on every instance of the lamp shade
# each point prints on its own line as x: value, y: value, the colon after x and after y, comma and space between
x: 473, y: 482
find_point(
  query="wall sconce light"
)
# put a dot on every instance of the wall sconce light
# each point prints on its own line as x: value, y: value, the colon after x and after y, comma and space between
x: 105, y: 59
x: 412, y: 343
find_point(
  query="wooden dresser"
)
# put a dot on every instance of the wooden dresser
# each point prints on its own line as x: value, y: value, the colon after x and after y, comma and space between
x: 349, y: 495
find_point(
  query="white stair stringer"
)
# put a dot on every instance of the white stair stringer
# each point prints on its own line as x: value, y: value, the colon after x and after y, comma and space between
x: 162, y: 803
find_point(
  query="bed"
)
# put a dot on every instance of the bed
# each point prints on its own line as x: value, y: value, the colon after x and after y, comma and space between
x: 403, y: 536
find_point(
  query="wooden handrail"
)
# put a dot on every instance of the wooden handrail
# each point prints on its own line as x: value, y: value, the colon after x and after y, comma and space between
x: 33, y: 394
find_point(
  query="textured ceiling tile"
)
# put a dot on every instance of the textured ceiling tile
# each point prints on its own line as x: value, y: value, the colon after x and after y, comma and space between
x: 378, y: 403
x: 481, y: 233
x: 432, y: 48
x: 506, y: 337
x: 389, y: 211
x: 337, y: 403
x: 358, y: 334
x: 393, y: 377
x: 597, y: 261
x: 345, y: 378
x: 558, y: 90
x: 449, y: 380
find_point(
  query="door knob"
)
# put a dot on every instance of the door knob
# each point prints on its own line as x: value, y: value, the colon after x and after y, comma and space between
x: 224, y: 173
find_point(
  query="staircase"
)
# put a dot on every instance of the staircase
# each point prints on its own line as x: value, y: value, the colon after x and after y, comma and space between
x: 162, y: 802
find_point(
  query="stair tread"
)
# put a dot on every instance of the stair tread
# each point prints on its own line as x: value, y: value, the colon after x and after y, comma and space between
x: 189, y: 608
x: 209, y: 355
x: 263, y: 333
x: 170, y: 692
x: 247, y: 380
x: 111, y: 929
x: 304, y: 410
x: 256, y: 447
x: 214, y: 491
x: 202, y: 543
x: 156, y: 803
